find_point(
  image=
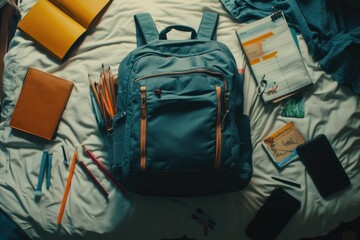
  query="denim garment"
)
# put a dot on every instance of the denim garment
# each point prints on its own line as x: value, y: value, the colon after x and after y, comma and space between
x: 330, y: 28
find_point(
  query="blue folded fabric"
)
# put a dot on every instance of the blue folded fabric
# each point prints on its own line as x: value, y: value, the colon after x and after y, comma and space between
x: 330, y: 28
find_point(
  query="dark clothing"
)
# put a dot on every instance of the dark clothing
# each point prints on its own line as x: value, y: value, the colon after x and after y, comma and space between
x: 331, y: 29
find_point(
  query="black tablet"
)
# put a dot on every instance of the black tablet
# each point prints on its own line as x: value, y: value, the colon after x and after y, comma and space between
x: 323, y: 166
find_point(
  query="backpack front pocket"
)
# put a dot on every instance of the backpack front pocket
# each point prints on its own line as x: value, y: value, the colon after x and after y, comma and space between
x: 180, y: 123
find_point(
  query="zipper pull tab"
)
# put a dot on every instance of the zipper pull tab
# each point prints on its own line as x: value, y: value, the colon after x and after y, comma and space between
x: 226, y: 99
x: 158, y: 92
x: 223, y: 120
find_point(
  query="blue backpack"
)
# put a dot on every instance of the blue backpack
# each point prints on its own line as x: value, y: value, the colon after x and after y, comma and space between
x: 179, y: 128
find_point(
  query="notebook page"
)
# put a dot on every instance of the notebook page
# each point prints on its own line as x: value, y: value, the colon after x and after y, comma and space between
x: 274, y: 56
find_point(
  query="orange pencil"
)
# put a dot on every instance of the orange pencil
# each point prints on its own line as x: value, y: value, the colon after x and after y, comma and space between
x: 107, y: 95
x: 106, y: 110
x: 67, y: 187
x: 106, y: 106
x: 106, y: 77
x: 93, y: 89
x: 112, y: 88
x: 107, y: 116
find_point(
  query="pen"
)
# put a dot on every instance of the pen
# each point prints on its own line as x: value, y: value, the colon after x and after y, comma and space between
x: 287, y: 182
x: 93, y: 178
x: 65, y: 156
x: 104, y: 170
x: 48, y: 172
x: 67, y: 187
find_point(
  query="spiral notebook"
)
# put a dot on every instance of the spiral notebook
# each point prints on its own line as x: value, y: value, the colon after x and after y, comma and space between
x: 274, y: 57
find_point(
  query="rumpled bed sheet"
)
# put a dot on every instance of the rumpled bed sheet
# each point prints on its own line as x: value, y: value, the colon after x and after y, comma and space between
x: 330, y: 109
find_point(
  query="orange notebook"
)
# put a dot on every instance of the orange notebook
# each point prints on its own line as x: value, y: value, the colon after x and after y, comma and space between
x: 41, y: 103
x: 57, y: 24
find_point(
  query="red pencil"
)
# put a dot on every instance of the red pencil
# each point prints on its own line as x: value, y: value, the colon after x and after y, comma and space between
x: 104, y: 170
x: 93, y: 178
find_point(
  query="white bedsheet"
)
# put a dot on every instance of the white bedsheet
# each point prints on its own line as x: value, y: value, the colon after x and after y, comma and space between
x: 329, y: 109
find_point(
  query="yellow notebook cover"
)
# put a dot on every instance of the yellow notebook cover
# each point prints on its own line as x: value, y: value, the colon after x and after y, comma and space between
x: 57, y: 24
x: 41, y: 103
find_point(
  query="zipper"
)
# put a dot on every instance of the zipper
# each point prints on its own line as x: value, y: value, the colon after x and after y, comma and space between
x: 199, y: 70
x: 143, y: 128
x: 218, y: 129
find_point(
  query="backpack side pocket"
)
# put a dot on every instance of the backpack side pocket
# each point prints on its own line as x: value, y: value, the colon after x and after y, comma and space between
x: 118, y: 165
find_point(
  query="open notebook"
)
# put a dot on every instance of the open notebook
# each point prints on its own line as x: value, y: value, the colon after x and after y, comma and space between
x: 58, y: 24
x: 274, y: 57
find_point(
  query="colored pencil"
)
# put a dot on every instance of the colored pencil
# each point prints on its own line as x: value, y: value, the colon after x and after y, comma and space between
x: 67, y: 187
x: 93, y: 178
x: 104, y: 170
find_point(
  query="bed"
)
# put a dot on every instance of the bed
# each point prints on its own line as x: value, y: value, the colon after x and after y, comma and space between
x: 330, y: 109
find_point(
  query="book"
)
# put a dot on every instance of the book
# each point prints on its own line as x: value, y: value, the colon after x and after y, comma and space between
x: 281, y: 144
x: 41, y: 103
x: 58, y: 24
x: 274, y: 57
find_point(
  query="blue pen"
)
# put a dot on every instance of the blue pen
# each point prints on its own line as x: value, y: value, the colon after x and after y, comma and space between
x: 42, y: 173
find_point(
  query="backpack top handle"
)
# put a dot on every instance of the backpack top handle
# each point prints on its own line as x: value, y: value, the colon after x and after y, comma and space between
x: 183, y: 28
x: 146, y: 31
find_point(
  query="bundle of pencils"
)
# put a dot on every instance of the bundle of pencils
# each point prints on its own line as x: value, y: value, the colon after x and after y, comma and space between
x: 104, y: 97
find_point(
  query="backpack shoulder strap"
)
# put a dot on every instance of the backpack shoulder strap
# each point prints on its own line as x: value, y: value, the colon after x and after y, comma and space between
x: 146, y: 31
x: 208, y: 25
